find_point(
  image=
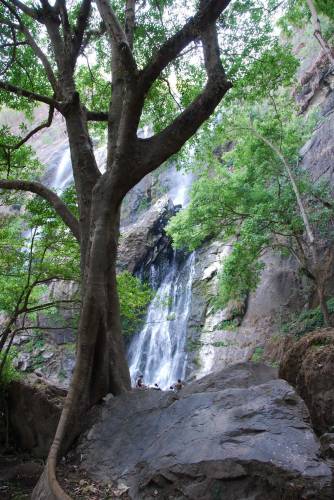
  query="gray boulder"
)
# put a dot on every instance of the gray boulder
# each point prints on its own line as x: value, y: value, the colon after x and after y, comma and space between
x: 237, y: 434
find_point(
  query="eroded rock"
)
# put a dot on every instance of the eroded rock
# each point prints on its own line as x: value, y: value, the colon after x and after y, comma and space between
x: 309, y: 366
x: 238, y: 434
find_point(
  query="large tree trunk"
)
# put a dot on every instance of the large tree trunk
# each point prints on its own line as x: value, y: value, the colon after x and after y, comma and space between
x: 101, y: 365
x: 108, y: 362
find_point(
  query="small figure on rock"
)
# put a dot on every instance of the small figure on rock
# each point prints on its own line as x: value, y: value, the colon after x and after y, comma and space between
x: 156, y: 387
x: 140, y: 382
x: 178, y: 385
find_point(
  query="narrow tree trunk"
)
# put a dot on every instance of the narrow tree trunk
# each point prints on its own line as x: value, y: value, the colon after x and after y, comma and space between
x: 318, y: 33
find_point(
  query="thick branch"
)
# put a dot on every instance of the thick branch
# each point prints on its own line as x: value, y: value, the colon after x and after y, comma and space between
x: 8, y: 87
x: 43, y: 58
x: 117, y: 35
x: 160, y: 147
x: 82, y: 23
x: 130, y: 21
x: 206, y: 16
x: 59, y: 206
x: 97, y: 116
x: 29, y: 11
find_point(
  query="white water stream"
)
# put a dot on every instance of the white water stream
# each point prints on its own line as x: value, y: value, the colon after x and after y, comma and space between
x: 158, y: 351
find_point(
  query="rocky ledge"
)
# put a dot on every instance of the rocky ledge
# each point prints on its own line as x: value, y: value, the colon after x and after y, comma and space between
x: 241, y: 433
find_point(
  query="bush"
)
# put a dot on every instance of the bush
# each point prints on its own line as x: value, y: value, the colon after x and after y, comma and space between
x: 307, y: 321
x: 9, y: 372
x: 257, y: 356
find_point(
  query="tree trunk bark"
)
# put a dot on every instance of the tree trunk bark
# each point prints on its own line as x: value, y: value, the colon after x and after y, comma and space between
x: 101, y: 365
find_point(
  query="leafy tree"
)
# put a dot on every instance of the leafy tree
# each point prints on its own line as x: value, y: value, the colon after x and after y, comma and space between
x: 46, y: 252
x: 256, y: 195
x: 110, y: 67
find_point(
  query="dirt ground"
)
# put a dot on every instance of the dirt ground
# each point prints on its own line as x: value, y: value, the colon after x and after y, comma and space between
x: 20, y: 472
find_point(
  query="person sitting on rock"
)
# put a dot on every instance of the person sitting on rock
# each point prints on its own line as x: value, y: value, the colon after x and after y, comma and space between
x: 140, y: 382
x: 178, y: 385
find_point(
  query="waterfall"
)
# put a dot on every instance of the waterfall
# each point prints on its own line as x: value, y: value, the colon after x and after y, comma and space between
x: 63, y: 172
x: 158, y: 351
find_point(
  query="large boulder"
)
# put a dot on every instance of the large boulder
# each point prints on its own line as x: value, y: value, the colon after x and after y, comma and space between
x: 308, y: 365
x: 34, y: 409
x: 238, y: 434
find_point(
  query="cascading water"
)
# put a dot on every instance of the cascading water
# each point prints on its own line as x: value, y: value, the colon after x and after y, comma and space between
x: 158, y: 351
x: 63, y: 174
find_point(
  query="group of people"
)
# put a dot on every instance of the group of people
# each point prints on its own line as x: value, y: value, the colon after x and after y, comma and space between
x: 140, y: 385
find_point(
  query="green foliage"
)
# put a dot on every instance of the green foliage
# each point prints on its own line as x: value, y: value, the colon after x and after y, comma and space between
x: 228, y: 324
x: 9, y: 373
x: 245, y: 197
x: 257, y: 356
x: 325, y: 7
x: 134, y: 298
x: 45, y: 252
x: 307, y: 321
x: 193, y: 345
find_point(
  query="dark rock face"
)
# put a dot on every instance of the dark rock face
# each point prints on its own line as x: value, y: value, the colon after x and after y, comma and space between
x: 34, y: 411
x: 309, y: 366
x: 238, y: 434
x: 142, y: 242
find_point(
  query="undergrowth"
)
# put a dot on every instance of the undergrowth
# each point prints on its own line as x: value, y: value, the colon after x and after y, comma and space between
x: 307, y: 321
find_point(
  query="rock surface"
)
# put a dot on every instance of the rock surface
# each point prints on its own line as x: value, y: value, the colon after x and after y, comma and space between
x: 309, y: 366
x: 141, y: 242
x: 238, y: 434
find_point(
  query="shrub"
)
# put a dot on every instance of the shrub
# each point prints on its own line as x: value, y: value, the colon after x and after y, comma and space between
x: 307, y: 321
x: 9, y: 372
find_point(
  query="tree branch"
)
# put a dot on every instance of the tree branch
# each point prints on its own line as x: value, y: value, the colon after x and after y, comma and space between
x: 8, y: 87
x: 97, y: 116
x: 207, y: 15
x: 29, y: 11
x: 81, y: 25
x: 117, y: 35
x: 130, y: 21
x: 59, y: 206
x: 45, y: 124
x: 318, y: 33
x: 160, y: 147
